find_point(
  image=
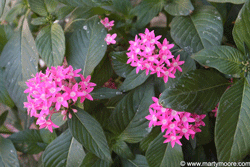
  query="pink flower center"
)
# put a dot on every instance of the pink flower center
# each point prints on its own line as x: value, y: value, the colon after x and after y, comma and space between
x: 59, y: 99
x: 163, y: 110
x: 172, y: 126
x: 173, y: 112
x: 72, y: 94
x: 152, y: 41
x: 43, y: 97
x: 173, y: 138
x: 147, y: 65
x: 154, y: 118
x: 184, y: 130
x: 137, y: 50
x: 151, y: 58
x: 164, y: 48
x: 164, y: 121
x: 175, y: 64
x: 158, y: 68
x: 197, y: 119
x: 84, y: 93
x: 147, y: 49
x: 164, y: 57
x: 166, y: 73
x: 184, y: 119
x: 48, y: 123
x: 52, y: 90
x: 109, y: 39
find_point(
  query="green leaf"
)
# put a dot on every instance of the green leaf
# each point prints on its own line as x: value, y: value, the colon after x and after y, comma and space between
x: 63, y: 151
x: 147, y: 140
x: 229, y: 1
x: 128, y: 121
x: 8, y: 155
x: 4, y: 95
x: 133, y: 80
x: 160, y: 154
x: 47, y: 136
x: 85, y: 44
x: 139, y: 161
x: 57, y: 118
x: 89, y: 133
x: 103, y: 72
x: 205, y: 136
x: 105, y: 93
x: 64, y: 11
x: 76, y: 154
x: 146, y: 11
x: 232, y: 131
x: 202, y: 29
x: 119, y: 60
x: 226, y: 59
x: 51, y: 5
x: 122, y: 149
x: 197, y: 91
x: 79, y: 3
x: 50, y: 44
x: 123, y: 7
x: 39, y: 21
x: 28, y: 141
x: 2, y: 5
x: 3, y: 117
x: 91, y: 160
x: 20, y: 59
x: 179, y: 7
x: 38, y: 6
x: 18, y: 9
x: 241, y: 27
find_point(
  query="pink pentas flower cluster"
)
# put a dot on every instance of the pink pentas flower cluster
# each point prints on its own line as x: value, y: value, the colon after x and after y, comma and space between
x: 147, y: 53
x: 55, y: 91
x: 110, y: 39
x: 175, y: 124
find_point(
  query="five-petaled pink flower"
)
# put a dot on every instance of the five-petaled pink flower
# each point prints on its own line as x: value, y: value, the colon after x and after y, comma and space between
x: 110, y: 39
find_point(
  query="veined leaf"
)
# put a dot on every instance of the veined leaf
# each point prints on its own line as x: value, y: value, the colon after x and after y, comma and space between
x: 4, y: 95
x: 241, y: 32
x: 232, y: 130
x: 85, y: 44
x: 202, y: 29
x: 8, y: 155
x: 50, y: 44
x: 139, y: 161
x: 122, y: 149
x: 179, y: 7
x: 91, y: 160
x: 160, y: 154
x: 28, y: 141
x: 63, y: 151
x: 43, y: 7
x: 2, y: 5
x: 128, y: 121
x: 20, y: 59
x: 229, y: 1
x: 89, y: 133
x: 226, y: 59
x: 197, y: 91
x: 3, y: 117
x: 105, y: 93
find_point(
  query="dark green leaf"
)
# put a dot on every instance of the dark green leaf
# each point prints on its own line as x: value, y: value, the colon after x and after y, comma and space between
x: 28, y: 141
x: 19, y: 8
x: 160, y: 154
x: 51, y: 5
x: 226, y: 59
x: 76, y: 154
x: 3, y: 117
x: 3, y: 36
x: 179, y: 7
x: 38, y: 6
x: 139, y: 161
x: 146, y: 11
x: 85, y: 44
x: 47, y: 136
x: 79, y: 3
x: 205, y: 136
x: 123, y: 7
x: 91, y: 160
x: 63, y: 151
x: 241, y: 27
x: 133, y: 80
x: 230, y: 1
x: 57, y: 119
x: 89, y: 133
x: 232, y: 130
x: 8, y: 155
x: 39, y: 21
x: 20, y: 59
x: 64, y: 11
x: 197, y: 91
x: 103, y: 72
x: 202, y: 29
x: 147, y: 140
x: 2, y: 5
x: 128, y: 121
x: 50, y: 44
x: 122, y: 149
x: 119, y: 60
x: 105, y: 93
x: 4, y: 95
